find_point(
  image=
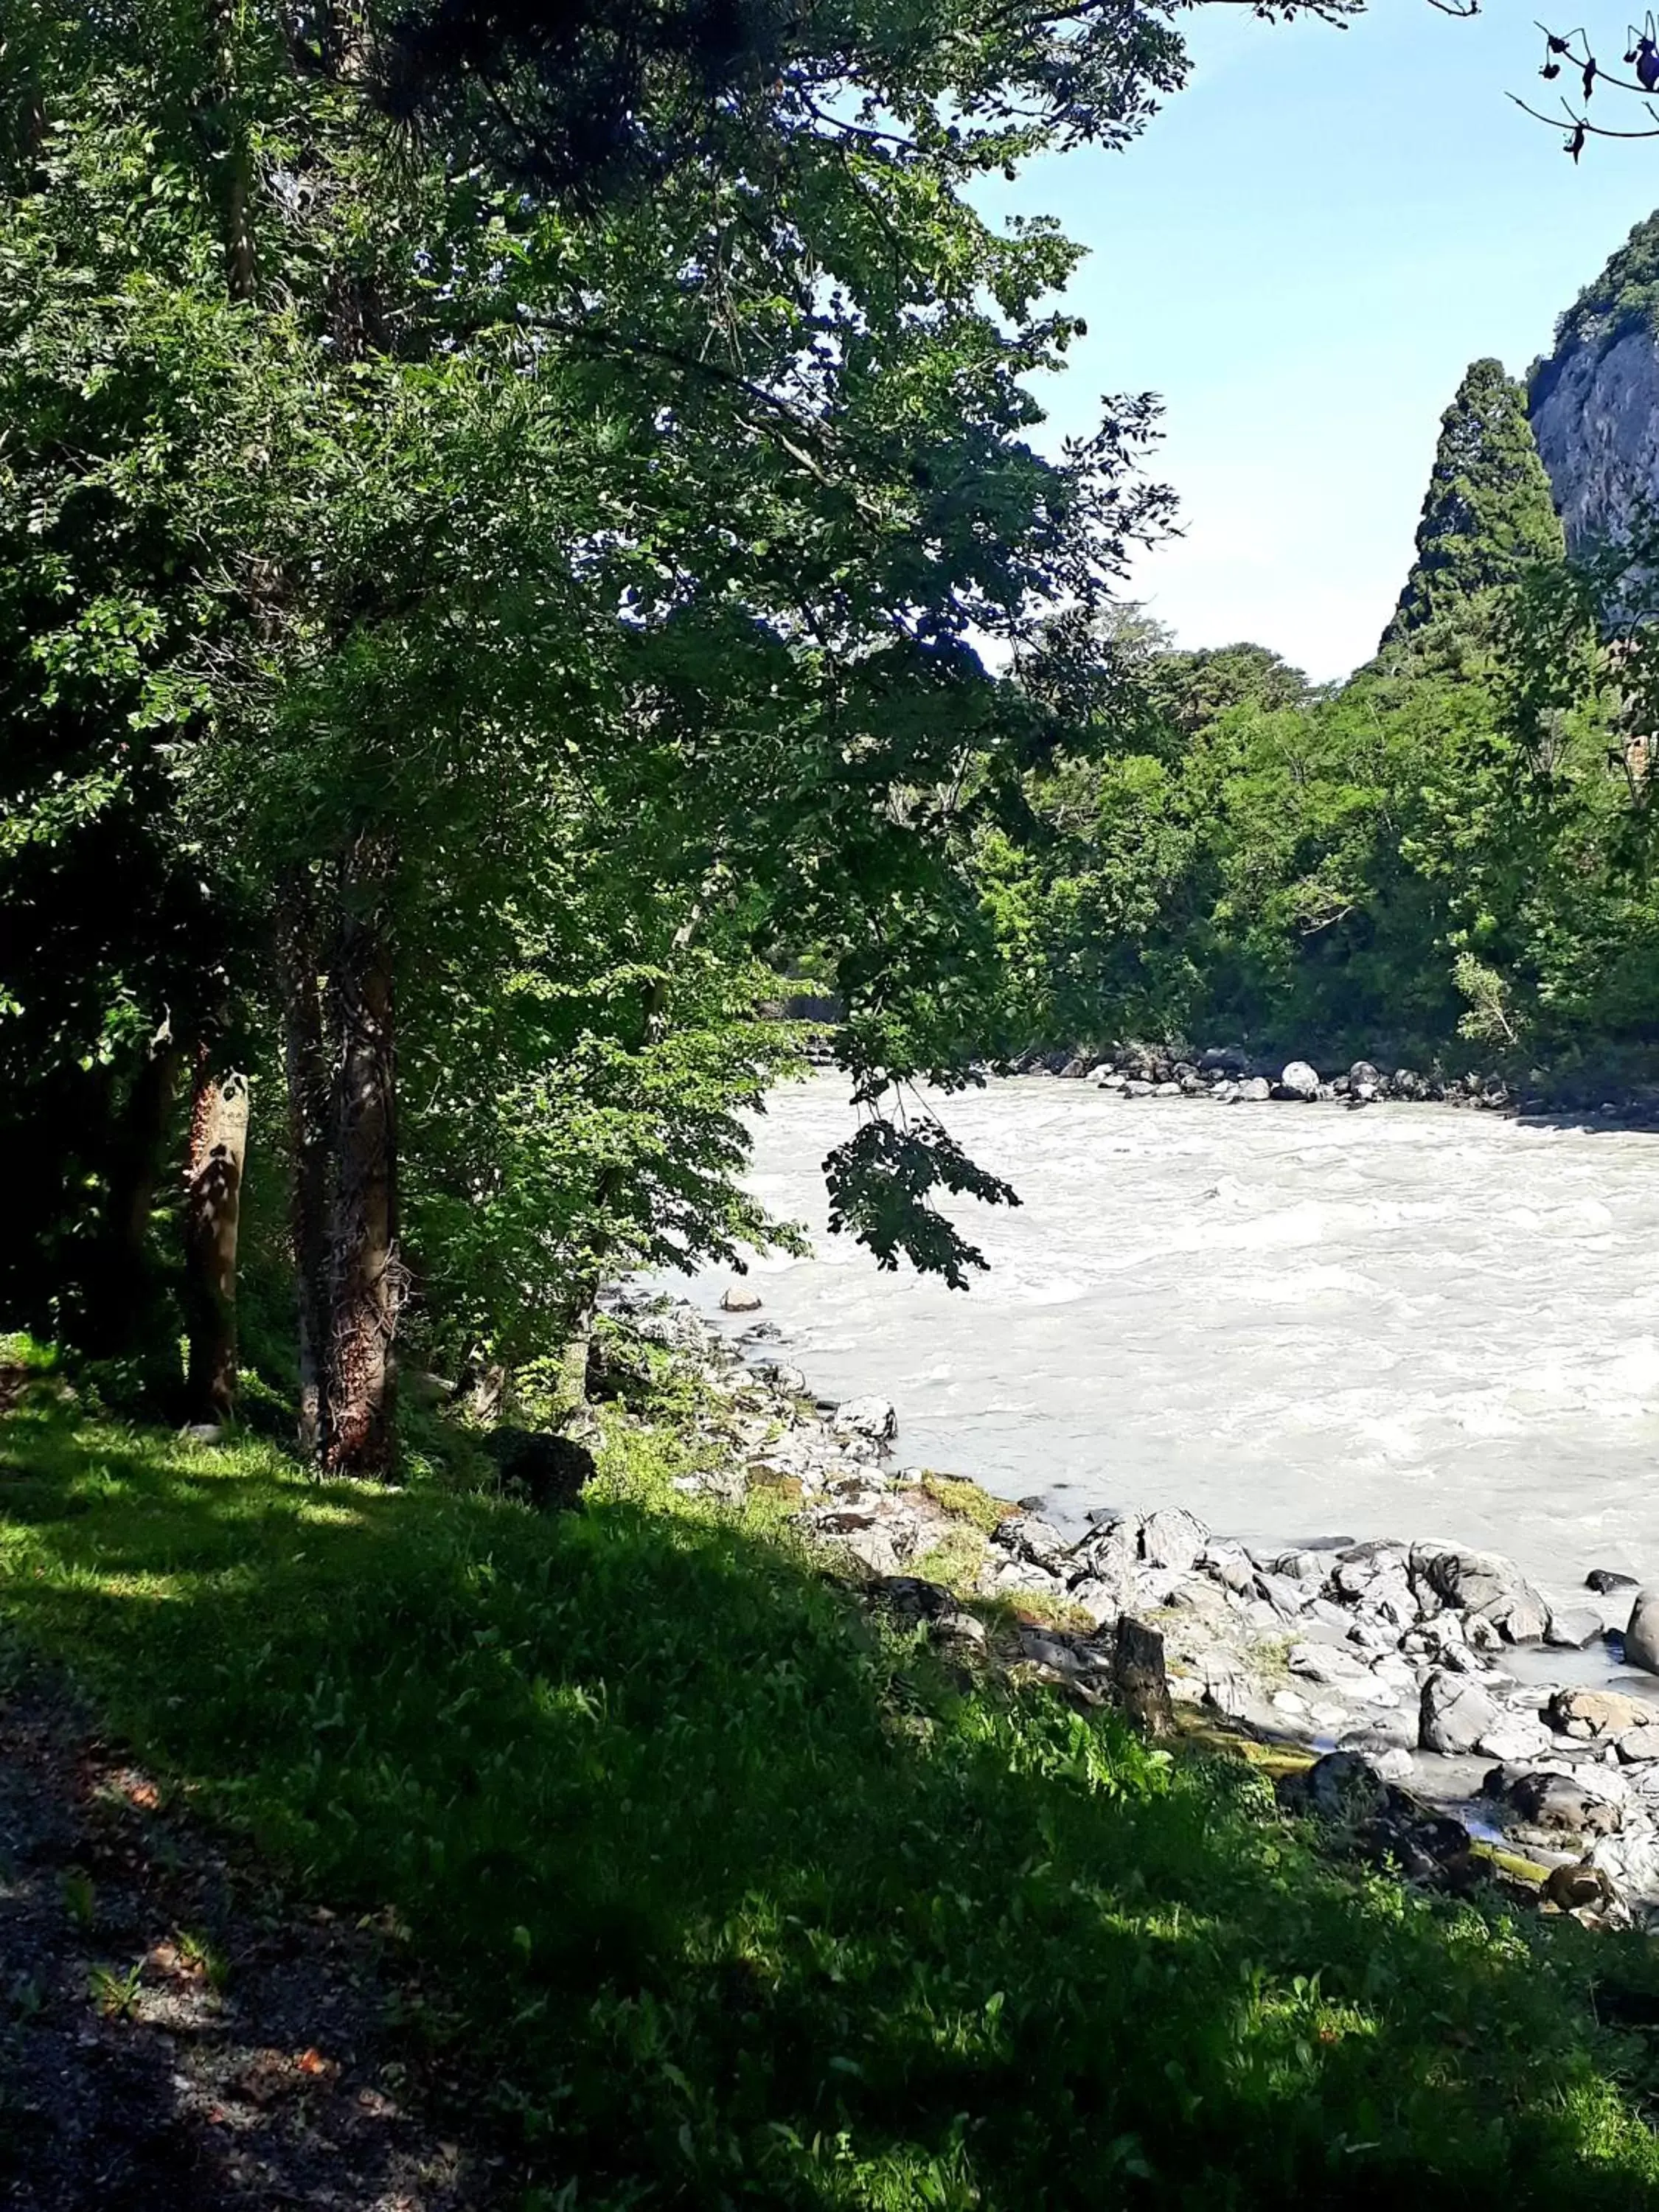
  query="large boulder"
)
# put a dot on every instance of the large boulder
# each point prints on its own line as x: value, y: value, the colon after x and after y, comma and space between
x: 1455, y: 1713
x: 1593, y: 1716
x: 1543, y: 1803
x: 1299, y: 1080
x: 1485, y: 1586
x: 1172, y: 1538
x: 876, y: 1420
x: 1642, y: 1636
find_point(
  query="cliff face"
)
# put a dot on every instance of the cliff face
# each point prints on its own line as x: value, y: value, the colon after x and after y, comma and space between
x: 1597, y: 421
x: 1594, y: 401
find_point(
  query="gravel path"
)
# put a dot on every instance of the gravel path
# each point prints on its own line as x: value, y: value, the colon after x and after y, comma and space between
x: 173, y: 2034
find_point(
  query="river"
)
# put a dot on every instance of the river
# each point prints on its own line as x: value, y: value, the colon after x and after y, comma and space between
x: 1302, y: 1322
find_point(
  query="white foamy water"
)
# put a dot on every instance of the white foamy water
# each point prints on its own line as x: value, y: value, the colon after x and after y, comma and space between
x: 1301, y: 1322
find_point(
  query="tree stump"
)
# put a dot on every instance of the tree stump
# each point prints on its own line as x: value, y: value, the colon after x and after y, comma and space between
x: 1139, y: 1676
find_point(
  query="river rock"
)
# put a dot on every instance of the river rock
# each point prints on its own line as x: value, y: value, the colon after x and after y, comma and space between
x: 1172, y: 1538
x: 738, y: 1298
x: 1364, y: 1080
x: 1329, y: 1663
x: 1482, y: 1586
x: 1517, y: 1739
x: 1255, y: 1089
x: 1642, y: 1637
x: 1298, y: 1080
x: 1392, y: 1761
x: 1454, y: 1714
x: 1596, y: 1715
x: 1299, y: 1566
x: 1231, y: 1565
x: 1109, y: 1553
x: 1606, y: 1580
x: 1341, y: 1787
x: 874, y: 1419
x: 1639, y: 1746
x: 1547, y: 1805
x: 1574, y: 1627
x: 1028, y: 1539
x: 1288, y: 1599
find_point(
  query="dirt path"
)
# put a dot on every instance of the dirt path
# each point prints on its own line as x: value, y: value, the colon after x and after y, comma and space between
x: 172, y: 2037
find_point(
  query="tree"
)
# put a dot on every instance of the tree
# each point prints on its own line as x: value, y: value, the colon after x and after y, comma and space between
x: 1488, y: 512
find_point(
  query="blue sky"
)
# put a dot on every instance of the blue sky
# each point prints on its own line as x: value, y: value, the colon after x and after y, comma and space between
x: 1301, y: 256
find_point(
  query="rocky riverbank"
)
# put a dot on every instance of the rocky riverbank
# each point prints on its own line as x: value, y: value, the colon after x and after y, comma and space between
x: 1230, y: 1076
x: 1437, y: 1699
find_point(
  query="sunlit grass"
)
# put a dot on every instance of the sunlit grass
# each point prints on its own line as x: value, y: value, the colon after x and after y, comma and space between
x: 737, y: 1895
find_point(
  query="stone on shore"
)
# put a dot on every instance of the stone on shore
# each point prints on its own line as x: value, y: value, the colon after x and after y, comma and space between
x: 873, y: 1419
x: 1592, y: 1715
x: 1574, y: 1627
x: 1546, y: 1804
x: 1483, y: 1586
x: 1172, y: 1538
x: 1642, y: 1637
x: 1299, y: 1080
x: 1455, y: 1713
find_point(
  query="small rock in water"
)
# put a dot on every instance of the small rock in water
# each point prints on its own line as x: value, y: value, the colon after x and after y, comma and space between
x: 1574, y: 1627
x: 1607, y: 1579
x: 1642, y: 1637
x: 738, y: 1298
x: 1455, y: 1713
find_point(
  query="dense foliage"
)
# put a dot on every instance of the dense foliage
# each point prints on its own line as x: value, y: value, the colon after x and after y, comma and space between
x: 1451, y: 847
x: 1489, y: 514
x: 469, y: 614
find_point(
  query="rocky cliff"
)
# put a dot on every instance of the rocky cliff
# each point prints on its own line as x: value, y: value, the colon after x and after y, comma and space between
x: 1593, y: 401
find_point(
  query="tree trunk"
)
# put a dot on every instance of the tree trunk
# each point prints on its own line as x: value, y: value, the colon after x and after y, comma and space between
x: 307, y: 1068
x: 365, y: 1286
x: 213, y: 1194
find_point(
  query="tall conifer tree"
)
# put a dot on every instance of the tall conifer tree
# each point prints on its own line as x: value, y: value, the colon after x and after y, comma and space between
x: 1488, y: 512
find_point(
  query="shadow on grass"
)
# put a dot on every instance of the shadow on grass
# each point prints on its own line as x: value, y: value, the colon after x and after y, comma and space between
x: 744, y: 1900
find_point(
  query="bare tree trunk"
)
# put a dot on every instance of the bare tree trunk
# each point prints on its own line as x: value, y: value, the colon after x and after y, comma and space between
x: 365, y: 1286
x: 213, y: 1194
x: 307, y: 1067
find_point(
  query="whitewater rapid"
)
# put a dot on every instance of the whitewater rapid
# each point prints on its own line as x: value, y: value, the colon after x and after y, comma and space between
x: 1301, y: 1322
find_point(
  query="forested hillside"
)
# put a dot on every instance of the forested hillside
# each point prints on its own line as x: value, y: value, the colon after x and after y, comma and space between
x: 1452, y: 846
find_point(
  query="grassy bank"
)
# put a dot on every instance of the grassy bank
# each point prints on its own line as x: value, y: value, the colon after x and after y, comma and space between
x: 741, y: 1897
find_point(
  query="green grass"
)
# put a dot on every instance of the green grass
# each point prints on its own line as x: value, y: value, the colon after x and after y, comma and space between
x: 741, y: 1899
